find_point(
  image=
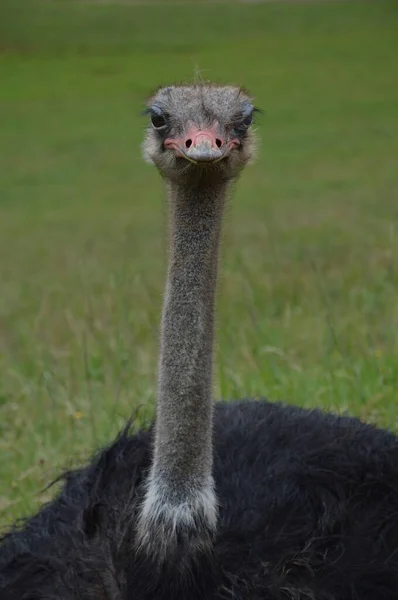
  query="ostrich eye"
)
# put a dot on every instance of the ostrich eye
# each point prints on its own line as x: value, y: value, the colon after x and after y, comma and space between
x: 158, y: 121
x: 244, y: 122
x: 247, y: 120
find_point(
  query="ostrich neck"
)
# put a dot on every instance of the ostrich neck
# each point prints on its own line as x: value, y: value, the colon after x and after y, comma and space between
x: 183, y: 446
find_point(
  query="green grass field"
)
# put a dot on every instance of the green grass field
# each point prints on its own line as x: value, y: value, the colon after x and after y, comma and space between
x: 308, y: 310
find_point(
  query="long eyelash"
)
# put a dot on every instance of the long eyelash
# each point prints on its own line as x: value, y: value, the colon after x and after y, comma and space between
x: 150, y: 110
x: 235, y: 120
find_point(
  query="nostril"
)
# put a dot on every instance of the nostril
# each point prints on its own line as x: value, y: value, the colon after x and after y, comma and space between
x: 188, y: 143
x: 218, y: 143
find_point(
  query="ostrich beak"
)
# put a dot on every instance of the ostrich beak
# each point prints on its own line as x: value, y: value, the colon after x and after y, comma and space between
x: 201, y: 145
x: 203, y: 149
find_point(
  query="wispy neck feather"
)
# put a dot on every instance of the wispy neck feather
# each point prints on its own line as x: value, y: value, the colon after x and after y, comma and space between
x: 180, y: 505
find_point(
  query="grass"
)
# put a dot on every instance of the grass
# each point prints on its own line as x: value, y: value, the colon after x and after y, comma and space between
x: 308, y: 308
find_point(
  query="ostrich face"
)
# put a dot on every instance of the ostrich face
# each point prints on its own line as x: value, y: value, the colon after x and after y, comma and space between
x: 199, y: 131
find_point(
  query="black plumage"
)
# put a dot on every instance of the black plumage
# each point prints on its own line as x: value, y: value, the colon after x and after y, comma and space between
x: 308, y: 510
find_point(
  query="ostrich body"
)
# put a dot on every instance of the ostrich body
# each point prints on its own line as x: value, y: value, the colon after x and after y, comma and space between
x: 248, y: 500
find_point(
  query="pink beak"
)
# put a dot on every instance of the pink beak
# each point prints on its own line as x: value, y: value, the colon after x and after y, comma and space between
x: 201, y: 145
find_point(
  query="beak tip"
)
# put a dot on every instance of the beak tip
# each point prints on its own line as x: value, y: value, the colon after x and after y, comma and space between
x: 204, y: 153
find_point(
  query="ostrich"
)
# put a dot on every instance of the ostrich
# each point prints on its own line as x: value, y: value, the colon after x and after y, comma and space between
x: 241, y: 500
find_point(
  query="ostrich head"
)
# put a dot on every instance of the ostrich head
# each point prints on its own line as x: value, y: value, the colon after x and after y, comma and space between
x: 199, y: 132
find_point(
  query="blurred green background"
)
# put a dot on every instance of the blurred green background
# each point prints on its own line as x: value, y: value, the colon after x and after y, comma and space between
x: 308, y: 309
